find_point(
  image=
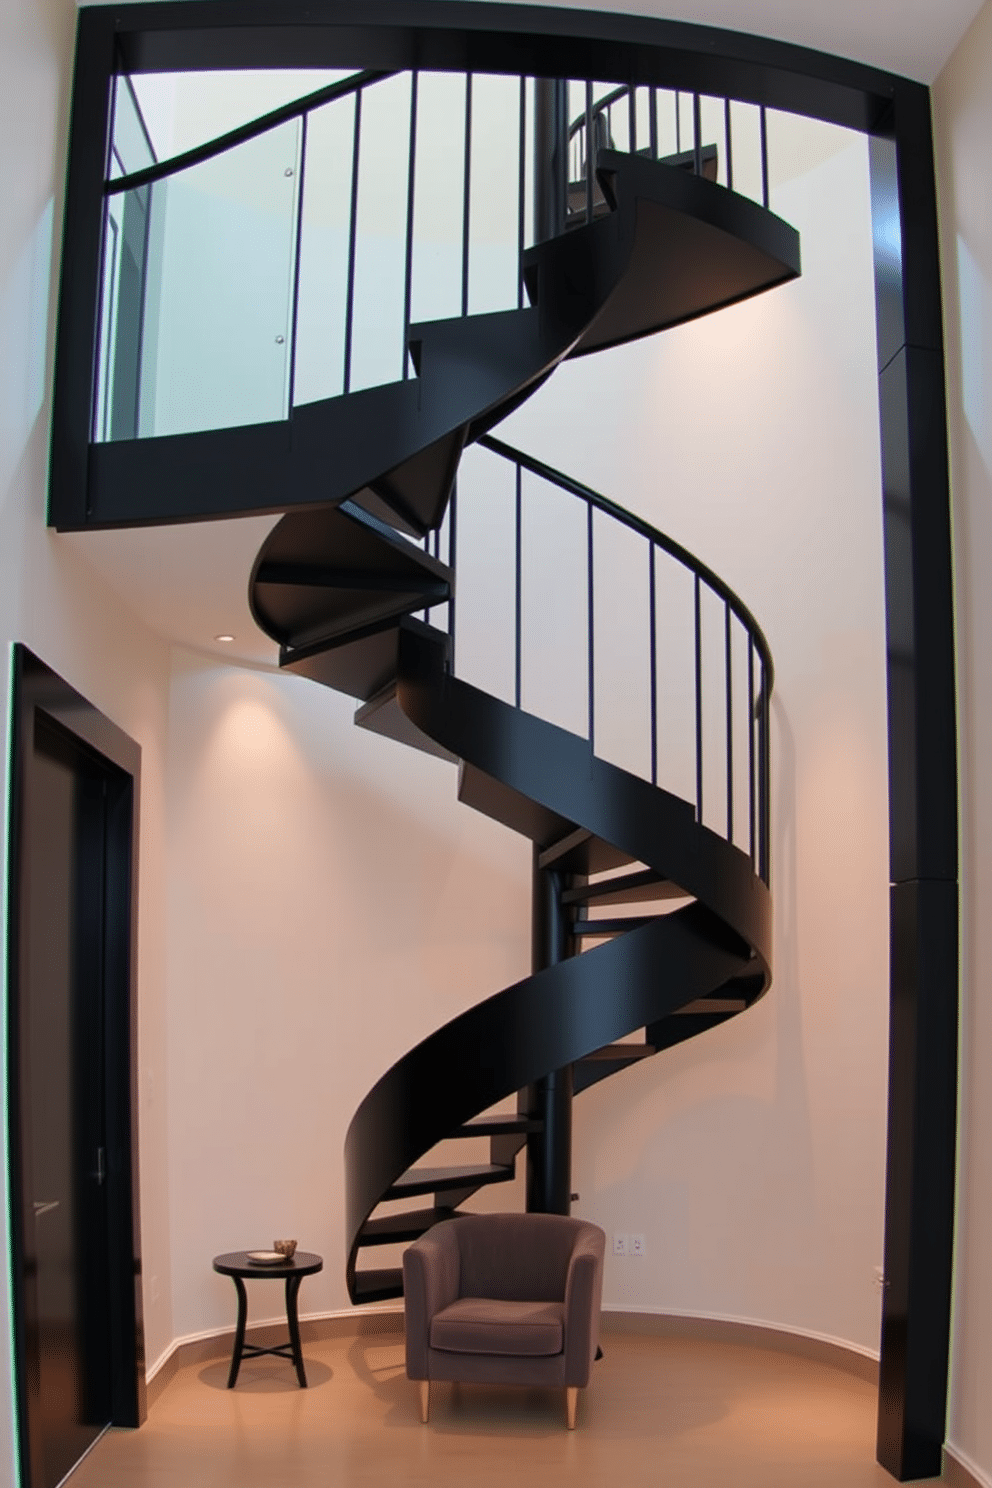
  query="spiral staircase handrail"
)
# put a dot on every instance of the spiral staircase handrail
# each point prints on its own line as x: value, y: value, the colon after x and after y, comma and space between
x: 175, y: 164
x: 644, y: 529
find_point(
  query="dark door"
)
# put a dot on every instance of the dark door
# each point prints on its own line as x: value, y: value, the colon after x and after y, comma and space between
x: 63, y: 1101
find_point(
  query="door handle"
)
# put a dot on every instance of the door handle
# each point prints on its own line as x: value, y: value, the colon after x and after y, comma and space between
x: 45, y: 1206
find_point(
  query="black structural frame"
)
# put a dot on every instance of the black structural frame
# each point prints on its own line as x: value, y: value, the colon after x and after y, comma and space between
x: 39, y: 692
x: 895, y: 114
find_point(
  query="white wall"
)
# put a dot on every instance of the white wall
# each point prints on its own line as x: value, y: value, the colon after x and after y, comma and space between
x: 49, y: 598
x: 963, y: 124
x: 330, y: 903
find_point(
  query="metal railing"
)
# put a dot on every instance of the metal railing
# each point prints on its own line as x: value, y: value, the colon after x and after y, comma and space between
x: 524, y: 153
x: 748, y: 700
x: 597, y: 122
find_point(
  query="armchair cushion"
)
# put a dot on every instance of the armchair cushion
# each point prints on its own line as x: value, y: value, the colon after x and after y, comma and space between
x: 483, y: 1325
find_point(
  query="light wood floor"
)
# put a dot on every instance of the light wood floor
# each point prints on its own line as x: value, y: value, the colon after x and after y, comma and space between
x: 688, y: 1414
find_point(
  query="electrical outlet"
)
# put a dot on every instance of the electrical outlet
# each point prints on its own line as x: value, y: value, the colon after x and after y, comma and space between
x: 638, y: 1246
x: 621, y: 1245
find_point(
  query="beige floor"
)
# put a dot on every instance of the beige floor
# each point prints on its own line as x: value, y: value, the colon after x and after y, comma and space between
x: 682, y: 1413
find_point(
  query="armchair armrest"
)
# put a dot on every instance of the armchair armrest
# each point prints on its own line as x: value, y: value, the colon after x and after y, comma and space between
x: 431, y: 1272
x: 583, y: 1298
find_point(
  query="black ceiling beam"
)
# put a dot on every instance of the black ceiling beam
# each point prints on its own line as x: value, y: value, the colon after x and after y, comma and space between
x: 448, y: 35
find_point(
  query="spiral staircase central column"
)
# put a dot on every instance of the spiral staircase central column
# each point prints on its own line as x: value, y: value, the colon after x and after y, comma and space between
x: 550, y: 157
x: 549, y: 1151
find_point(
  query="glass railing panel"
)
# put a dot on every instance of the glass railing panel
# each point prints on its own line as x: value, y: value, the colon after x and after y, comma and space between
x: 197, y: 327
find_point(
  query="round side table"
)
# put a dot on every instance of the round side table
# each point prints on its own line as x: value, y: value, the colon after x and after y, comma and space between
x: 238, y: 1267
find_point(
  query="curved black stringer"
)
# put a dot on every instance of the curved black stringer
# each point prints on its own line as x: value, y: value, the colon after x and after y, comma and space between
x: 338, y: 586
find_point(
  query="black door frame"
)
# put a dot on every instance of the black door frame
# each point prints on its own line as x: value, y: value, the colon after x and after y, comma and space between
x: 38, y: 692
x: 923, y: 834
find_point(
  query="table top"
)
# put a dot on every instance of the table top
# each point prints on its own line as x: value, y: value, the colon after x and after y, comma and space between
x: 236, y: 1263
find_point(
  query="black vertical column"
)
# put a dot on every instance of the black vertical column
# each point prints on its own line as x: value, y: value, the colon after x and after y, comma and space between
x: 549, y: 1151
x: 923, y: 850
x: 79, y: 298
x: 550, y: 157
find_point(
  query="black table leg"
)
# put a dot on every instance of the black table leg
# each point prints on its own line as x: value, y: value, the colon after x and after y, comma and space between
x: 239, y: 1332
x: 292, y: 1292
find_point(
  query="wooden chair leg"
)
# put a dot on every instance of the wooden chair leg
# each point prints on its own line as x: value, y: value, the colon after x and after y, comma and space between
x: 425, y: 1400
x: 571, y: 1402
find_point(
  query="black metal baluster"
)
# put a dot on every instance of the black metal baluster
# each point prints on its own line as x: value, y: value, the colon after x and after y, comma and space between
x: 728, y: 656
x: 764, y: 156
x: 697, y: 135
x: 521, y: 188
x: 589, y: 152
x: 466, y: 197
x: 699, y: 705
x: 678, y: 124
x: 301, y: 174
x: 590, y: 601
x: 654, y: 665
x: 751, y: 725
x: 349, y: 314
x: 518, y: 597
x: 410, y: 188
x: 727, y: 139
x: 763, y: 762
x: 632, y: 119
x: 426, y: 545
x: 452, y: 557
x: 653, y: 120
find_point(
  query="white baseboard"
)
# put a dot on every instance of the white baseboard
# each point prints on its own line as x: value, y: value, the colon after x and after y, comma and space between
x: 960, y: 1471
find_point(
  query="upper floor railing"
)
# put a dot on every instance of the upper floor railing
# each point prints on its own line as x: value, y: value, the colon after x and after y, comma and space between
x: 285, y: 261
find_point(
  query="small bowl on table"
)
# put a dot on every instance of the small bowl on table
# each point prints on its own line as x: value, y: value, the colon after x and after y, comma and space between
x: 285, y: 1248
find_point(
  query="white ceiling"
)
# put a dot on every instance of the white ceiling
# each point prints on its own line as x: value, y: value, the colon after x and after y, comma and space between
x: 189, y: 583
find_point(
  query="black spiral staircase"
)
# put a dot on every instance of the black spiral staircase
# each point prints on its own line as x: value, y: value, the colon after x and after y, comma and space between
x: 350, y: 582
x: 653, y: 244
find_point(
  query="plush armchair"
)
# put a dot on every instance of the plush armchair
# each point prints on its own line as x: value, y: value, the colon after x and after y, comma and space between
x: 504, y: 1299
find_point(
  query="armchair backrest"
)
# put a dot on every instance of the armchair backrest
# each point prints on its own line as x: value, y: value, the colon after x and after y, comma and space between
x: 515, y: 1257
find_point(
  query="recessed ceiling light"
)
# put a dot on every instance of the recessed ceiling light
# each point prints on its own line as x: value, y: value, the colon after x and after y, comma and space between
x: 226, y: 638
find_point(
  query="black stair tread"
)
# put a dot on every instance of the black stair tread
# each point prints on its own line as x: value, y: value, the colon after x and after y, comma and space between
x: 711, y: 1007
x: 437, y: 1180
x: 383, y: 715
x: 499, y: 1126
x: 617, y: 1052
x: 481, y: 791
x: 378, y: 1285
x: 578, y: 851
x: 626, y: 888
x: 361, y: 664
x: 329, y: 571
x: 392, y: 1229
x: 697, y: 247
x: 610, y: 927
